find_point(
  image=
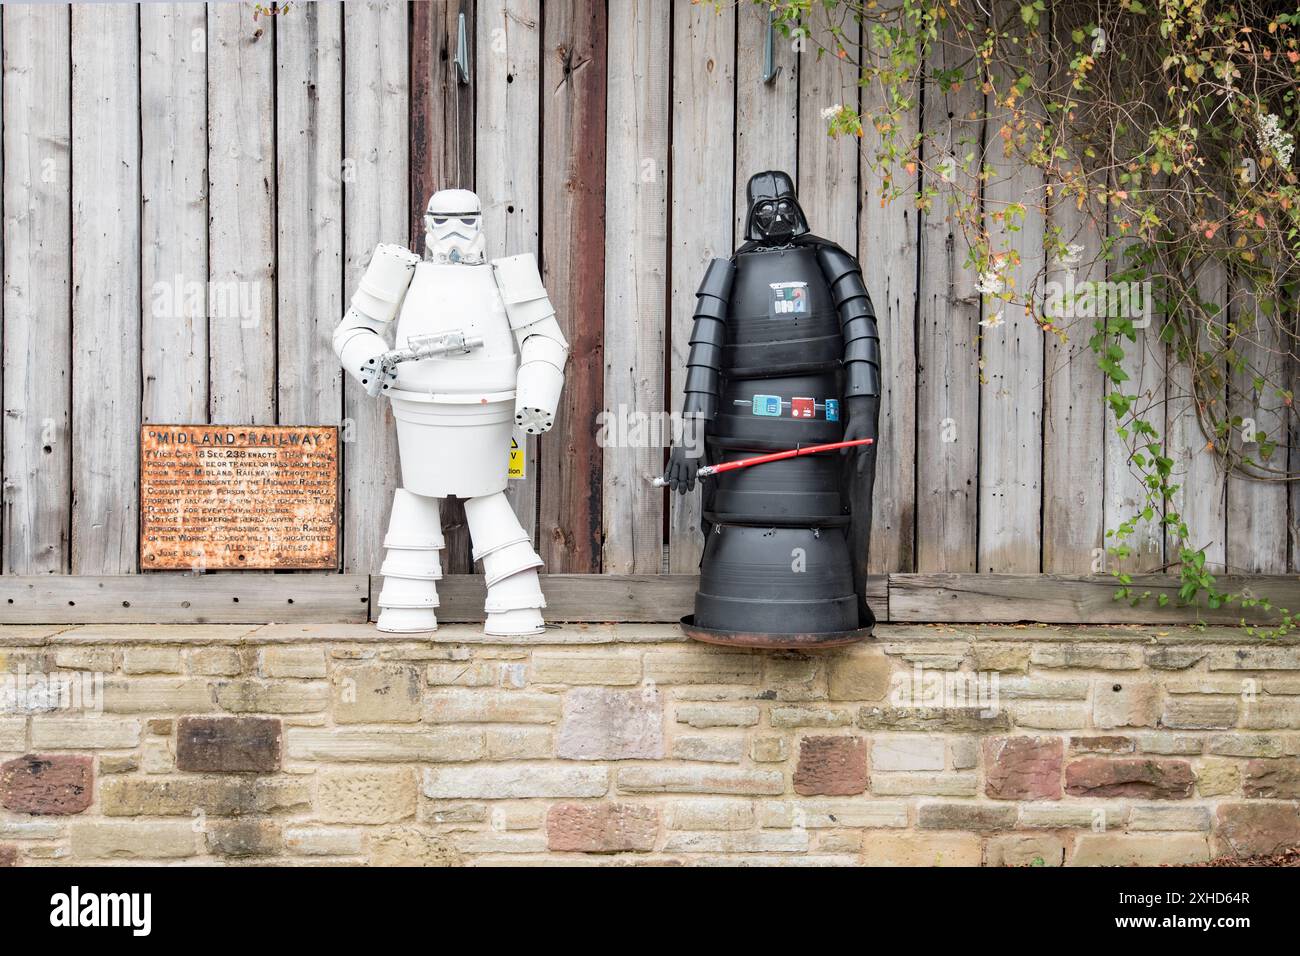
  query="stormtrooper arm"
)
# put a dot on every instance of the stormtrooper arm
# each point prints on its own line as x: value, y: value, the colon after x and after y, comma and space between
x: 359, y: 339
x: 857, y: 322
x: 543, y: 350
x: 703, y: 364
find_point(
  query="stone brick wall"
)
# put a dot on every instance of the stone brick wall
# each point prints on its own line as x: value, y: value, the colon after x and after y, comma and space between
x: 600, y: 744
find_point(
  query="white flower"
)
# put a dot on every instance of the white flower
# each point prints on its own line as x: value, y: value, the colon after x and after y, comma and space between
x: 1276, y: 140
x: 993, y: 321
x: 831, y: 112
x: 990, y: 283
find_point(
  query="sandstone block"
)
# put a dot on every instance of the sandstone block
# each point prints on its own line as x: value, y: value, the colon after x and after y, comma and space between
x: 228, y: 744
x: 1023, y: 768
x: 601, y: 828
x: 833, y: 766
x: 366, y: 796
x: 602, y: 724
x: 1148, y: 778
x: 47, y: 785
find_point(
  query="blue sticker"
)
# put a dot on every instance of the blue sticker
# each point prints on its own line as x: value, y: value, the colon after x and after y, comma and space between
x: 832, y: 409
x: 768, y: 405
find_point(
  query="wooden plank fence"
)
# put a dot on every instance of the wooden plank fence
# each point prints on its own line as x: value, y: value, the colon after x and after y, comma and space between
x: 190, y: 195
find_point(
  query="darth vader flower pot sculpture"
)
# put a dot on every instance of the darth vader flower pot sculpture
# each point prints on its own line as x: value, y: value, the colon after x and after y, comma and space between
x: 784, y: 353
x: 477, y: 352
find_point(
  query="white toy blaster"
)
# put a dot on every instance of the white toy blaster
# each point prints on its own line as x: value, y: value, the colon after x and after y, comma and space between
x: 384, y: 367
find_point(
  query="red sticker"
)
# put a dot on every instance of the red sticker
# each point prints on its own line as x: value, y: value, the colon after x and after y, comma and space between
x: 803, y: 407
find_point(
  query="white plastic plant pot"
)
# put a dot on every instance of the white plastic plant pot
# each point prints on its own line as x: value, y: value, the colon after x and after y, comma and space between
x: 543, y: 348
x: 509, y: 560
x: 422, y: 565
x: 538, y: 396
x: 520, y: 590
x: 518, y: 278
x: 493, y: 524
x: 385, y: 282
x: 408, y: 592
x: 516, y: 623
x: 457, y: 449
x: 525, y: 312
x: 415, y: 524
x: 407, y: 620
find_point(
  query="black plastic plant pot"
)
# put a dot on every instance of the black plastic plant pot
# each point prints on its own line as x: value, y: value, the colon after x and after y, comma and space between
x: 773, y: 414
x: 797, y: 492
x: 774, y: 581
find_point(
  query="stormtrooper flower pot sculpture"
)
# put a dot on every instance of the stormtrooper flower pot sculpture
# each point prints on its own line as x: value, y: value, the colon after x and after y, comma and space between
x: 477, y: 350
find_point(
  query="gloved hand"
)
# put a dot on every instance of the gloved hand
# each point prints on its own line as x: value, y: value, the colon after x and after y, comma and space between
x: 681, y: 471
x: 862, y: 414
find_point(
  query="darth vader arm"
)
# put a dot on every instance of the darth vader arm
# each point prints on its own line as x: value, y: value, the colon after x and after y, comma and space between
x: 704, y: 363
x: 857, y: 322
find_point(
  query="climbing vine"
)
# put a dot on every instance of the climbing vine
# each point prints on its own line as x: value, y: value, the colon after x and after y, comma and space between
x: 1165, y: 134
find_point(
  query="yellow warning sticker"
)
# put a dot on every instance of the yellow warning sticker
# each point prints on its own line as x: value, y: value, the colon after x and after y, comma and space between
x: 518, y: 446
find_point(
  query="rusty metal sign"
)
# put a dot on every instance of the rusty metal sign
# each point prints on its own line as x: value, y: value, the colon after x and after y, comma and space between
x: 215, y: 497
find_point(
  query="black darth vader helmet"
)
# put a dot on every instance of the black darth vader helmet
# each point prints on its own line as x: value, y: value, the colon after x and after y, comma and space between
x: 774, y: 213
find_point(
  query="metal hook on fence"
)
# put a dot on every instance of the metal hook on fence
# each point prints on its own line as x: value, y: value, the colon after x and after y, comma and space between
x: 462, y: 51
x: 770, y: 69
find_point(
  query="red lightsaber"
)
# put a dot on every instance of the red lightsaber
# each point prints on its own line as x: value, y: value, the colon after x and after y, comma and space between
x: 709, y: 470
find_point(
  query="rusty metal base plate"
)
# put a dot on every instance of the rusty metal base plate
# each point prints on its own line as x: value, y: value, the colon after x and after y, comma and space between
x: 806, y: 642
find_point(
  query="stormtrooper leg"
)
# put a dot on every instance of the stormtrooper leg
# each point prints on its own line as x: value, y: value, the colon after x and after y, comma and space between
x: 411, y: 565
x: 514, y: 596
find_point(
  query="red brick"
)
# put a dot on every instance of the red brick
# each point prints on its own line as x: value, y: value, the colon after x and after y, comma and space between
x: 228, y: 744
x: 1148, y: 779
x: 1257, y: 829
x: 1023, y: 768
x: 601, y: 828
x: 1278, y: 779
x: 47, y: 785
x: 831, y: 766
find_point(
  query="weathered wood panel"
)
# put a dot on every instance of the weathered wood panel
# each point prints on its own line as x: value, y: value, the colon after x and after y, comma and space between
x: 376, y: 154
x: 767, y: 114
x: 828, y: 167
x: 174, y: 196
x: 636, y: 266
x: 605, y: 598
x: 888, y: 250
x: 573, y: 268
x: 947, y: 387
x: 442, y: 105
x: 508, y: 143
x: 105, y: 287
x: 241, y: 241
x: 442, y: 157
x: 703, y: 92
x: 1011, y: 345
x: 1062, y: 599
x: 1201, y: 498
x: 184, y: 598
x: 37, y: 487
x: 309, y: 211
x: 1125, y: 496
x: 1257, y: 539
x: 1074, y: 410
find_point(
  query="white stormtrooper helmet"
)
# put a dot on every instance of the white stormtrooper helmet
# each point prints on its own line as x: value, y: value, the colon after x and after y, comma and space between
x: 453, y: 227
